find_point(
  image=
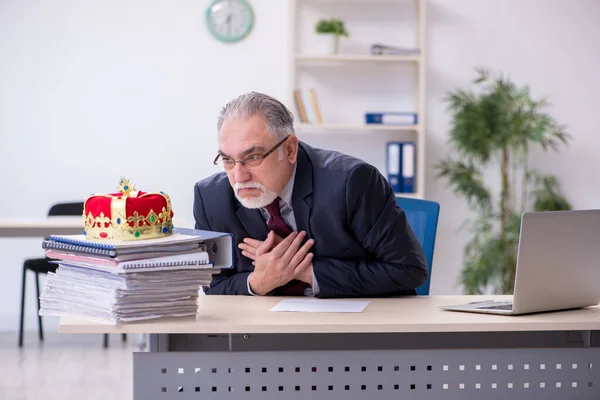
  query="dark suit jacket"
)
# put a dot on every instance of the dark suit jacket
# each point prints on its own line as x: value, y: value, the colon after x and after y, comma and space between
x: 363, y: 246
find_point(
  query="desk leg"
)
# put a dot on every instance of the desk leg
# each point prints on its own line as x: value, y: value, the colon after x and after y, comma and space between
x: 337, y: 366
x: 159, y: 343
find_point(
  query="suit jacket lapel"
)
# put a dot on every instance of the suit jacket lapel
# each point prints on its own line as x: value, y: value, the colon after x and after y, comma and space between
x: 253, y: 222
x: 303, y: 188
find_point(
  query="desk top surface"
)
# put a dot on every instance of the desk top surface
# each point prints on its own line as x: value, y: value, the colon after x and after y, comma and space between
x: 247, y: 314
x: 43, y: 227
x: 40, y: 227
x: 50, y: 222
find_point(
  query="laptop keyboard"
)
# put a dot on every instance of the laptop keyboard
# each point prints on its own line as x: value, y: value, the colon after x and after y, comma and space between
x: 502, y: 307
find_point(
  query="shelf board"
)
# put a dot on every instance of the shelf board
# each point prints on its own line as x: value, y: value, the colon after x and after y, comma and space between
x: 369, y: 2
x: 350, y: 58
x: 347, y: 128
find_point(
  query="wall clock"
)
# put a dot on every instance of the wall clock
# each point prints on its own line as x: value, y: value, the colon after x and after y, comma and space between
x: 230, y: 20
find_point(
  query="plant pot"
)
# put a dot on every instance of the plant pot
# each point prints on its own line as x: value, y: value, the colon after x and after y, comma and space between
x: 328, y: 43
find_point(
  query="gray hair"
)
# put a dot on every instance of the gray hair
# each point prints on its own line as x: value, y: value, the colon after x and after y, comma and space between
x: 279, y: 120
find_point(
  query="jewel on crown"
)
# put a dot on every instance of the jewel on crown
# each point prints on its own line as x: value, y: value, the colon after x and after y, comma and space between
x: 127, y: 215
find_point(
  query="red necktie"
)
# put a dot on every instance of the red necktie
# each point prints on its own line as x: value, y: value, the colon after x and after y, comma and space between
x: 278, y: 226
x: 276, y: 222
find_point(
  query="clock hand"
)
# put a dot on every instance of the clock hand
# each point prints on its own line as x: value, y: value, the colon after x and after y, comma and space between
x: 229, y: 24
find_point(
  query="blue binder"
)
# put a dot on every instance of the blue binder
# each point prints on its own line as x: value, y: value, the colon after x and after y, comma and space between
x: 391, y: 118
x: 401, y: 165
x: 394, y: 165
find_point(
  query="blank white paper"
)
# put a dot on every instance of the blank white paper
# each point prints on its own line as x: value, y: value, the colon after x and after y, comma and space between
x: 323, y: 305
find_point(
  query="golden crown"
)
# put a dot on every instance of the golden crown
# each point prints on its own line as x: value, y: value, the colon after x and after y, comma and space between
x: 127, y: 215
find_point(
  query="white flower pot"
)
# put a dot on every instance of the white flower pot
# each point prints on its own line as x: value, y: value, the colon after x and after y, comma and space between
x: 327, y: 43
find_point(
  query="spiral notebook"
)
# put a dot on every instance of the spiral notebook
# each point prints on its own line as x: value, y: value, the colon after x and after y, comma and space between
x: 173, y: 239
x: 105, y: 251
x: 185, y: 259
x: 197, y: 260
x: 79, y: 243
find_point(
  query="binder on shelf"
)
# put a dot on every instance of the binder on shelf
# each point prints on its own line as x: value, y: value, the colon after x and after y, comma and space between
x: 300, y: 106
x: 408, y: 167
x: 381, y: 49
x: 393, y: 165
x: 401, y: 166
x: 309, y: 113
x: 391, y: 118
x: 315, y: 105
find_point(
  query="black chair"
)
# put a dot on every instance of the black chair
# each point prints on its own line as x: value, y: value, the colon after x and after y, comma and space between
x: 43, y: 266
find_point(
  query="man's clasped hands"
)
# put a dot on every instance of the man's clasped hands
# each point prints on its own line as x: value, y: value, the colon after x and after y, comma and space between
x: 278, y: 261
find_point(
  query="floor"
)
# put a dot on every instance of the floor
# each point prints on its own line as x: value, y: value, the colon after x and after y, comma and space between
x: 65, y: 367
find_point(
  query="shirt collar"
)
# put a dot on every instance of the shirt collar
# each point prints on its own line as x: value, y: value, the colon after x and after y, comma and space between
x: 286, y: 193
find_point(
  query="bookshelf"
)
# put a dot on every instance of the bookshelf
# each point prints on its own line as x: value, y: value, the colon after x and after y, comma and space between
x: 353, y: 81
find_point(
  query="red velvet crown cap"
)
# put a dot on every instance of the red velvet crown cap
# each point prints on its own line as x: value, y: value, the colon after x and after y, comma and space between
x: 127, y: 215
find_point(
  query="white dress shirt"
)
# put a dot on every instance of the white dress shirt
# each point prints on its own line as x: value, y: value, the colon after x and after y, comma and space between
x: 287, y: 213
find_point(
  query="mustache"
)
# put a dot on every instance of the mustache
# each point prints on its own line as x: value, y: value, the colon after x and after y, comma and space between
x: 248, y: 185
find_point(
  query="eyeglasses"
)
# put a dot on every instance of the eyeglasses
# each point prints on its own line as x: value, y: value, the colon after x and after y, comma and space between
x: 253, y: 160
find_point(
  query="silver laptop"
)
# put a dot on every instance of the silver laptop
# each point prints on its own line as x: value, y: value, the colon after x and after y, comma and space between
x: 558, y: 265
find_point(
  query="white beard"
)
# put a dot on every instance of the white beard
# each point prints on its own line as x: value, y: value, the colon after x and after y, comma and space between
x: 264, y: 199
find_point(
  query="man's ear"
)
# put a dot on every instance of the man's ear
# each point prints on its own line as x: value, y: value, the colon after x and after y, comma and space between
x: 291, y: 149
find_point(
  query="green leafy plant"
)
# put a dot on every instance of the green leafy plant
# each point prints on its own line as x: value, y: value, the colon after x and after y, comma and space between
x: 495, y: 128
x: 332, y: 25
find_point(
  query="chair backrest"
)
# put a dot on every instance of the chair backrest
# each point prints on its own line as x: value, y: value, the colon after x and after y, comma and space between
x: 66, y: 209
x: 422, y: 216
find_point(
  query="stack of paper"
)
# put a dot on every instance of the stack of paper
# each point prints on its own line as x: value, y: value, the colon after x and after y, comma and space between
x: 129, y: 281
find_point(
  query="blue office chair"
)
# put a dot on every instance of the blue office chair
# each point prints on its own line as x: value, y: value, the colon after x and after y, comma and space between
x: 422, y: 216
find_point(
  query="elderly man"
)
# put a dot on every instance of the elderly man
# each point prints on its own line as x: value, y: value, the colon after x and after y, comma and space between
x: 306, y: 221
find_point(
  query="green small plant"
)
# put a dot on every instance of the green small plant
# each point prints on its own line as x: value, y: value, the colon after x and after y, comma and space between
x: 333, y: 25
x: 496, y: 127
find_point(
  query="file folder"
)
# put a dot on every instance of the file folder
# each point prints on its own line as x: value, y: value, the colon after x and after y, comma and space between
x: 394, y: 163
x: 408, y: 167
x: 401, y: 166
x: 391, y: 118
x: 219, y: 245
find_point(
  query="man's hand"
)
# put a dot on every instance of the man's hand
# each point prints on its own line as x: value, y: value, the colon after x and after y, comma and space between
x: 249, y: 246
x: 277, y: 264
x: 306, y: 274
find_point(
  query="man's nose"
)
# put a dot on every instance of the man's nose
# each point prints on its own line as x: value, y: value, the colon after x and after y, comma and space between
x: 241, y: 173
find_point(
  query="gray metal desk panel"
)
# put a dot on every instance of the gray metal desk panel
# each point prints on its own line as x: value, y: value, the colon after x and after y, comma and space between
x: 397, y: 348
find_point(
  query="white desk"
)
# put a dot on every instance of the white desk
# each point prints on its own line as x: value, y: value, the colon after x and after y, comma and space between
x: 402, y: 348
x: 43, y: 227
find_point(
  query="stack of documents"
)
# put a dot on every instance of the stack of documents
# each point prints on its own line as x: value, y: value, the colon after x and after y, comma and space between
x: 134, y: 280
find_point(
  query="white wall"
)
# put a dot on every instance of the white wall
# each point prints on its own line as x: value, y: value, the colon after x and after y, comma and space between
x: 94, y: 90
x: 91, y: 91
x: 551, y: 46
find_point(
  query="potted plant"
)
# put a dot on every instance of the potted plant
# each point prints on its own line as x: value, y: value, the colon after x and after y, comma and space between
x: 329, y: 32
x: 496, y: 128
